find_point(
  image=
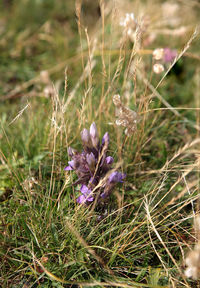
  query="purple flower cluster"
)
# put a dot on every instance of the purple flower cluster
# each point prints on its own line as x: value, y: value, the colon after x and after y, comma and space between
x: 93, y: 165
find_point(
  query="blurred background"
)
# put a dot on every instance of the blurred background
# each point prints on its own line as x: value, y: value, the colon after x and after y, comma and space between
x: 38, y: 35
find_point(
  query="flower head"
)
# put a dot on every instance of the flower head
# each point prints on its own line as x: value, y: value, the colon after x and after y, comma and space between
x: 158, y: 53
x: 92, y: 165
x: 169, y: 55
x: 158, y: 68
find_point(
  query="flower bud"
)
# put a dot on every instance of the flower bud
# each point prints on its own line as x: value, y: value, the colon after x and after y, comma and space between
x: 105, y: 140
x: 85, y: 136
x: 94, y: 135
x: 109, y: 160
x: 71, y: 152
x: 91, y: 160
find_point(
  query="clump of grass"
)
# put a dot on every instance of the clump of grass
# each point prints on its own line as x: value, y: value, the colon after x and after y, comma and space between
x: 48, y: 239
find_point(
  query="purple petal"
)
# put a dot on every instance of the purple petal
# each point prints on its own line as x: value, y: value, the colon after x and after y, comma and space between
x: 90, y: 159
x: 94, y: 135
x: 71, y: 152
x: 86, y: 195
x: 169, y: 55
x: 85, y: 136
x: 72, y: 164
x: 93, y: 130
x: 84, y: 189
x: 109, y: 160
x: 104, y: 195
x: 90, y: 198
x: 116, y: 177
x: 81, y: 199
x: 68, y: 168
x: 106, y: 139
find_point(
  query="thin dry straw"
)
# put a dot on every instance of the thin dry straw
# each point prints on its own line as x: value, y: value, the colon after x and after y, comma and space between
x: 19, y: 114
x: 149, y: 219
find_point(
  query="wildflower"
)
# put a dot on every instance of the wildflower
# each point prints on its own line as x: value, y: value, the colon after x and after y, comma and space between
x: 158, y: 68
x: 86, y: 195
x: 116, y: 177
x: 126, y: 117
x: 94, y: 135
x: 158, y: 53
x: 169, y: 55
x: 93, y: 165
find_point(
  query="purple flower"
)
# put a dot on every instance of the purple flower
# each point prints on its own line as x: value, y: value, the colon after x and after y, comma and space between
x: 169, y: 55
x: 92, y: 165
x: 68, y: 168
x: 86, y: 195
x: 116, y: 177
x: 71, y: 166
x: 109, y: 160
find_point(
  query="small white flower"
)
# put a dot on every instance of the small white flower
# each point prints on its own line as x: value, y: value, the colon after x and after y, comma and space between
x: 158, y: 53
x: 158, y: 68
